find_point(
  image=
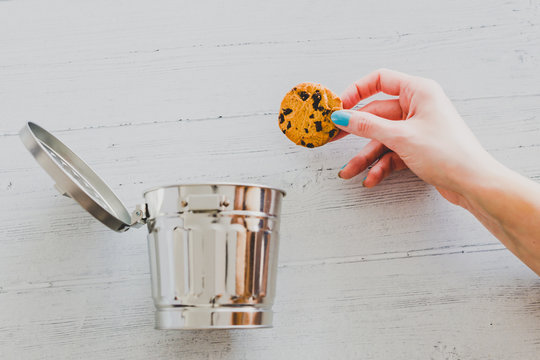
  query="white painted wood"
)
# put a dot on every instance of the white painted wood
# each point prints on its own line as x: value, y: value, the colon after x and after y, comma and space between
x: 151, y: 94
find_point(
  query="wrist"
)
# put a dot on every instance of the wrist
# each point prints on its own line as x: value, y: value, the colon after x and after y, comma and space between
x: 508, y: 204
x: 477, y: 180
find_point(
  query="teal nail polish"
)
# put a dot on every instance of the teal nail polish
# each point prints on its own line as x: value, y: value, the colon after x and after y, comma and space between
x: 341, y: 117
x: 339, y: 172
x: 364, y: 179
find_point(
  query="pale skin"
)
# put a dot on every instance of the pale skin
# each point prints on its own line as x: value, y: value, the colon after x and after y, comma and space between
x: 421, y: 130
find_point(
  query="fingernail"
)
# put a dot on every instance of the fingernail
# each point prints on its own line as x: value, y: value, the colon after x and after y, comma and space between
x: 339, y: 173
x: 341, y: 117
x: 364, y: 179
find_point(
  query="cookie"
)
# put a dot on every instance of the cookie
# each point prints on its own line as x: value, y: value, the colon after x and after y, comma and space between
x: 305, y: 115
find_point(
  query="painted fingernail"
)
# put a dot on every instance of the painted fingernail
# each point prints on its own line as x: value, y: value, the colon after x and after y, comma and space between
x: 341, y: 117
x: 339, y: 173
x: 363, y: 180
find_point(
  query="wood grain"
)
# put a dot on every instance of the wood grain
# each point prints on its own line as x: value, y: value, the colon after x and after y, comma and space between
x: 151, y: 94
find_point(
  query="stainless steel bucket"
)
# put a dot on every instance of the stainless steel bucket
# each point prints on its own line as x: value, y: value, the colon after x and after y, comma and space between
x: 213, y: 254
x: 213, y: 248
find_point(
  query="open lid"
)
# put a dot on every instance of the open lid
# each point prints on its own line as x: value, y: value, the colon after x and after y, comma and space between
x: 74, y: 178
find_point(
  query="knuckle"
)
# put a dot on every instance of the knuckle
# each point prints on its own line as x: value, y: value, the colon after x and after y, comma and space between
x: 428, y: 86
x: 387, y: 170
x: 360, y: 161
x: 385, y: 165
x: 358, y: 90
x: 393, y: 161
x: 376, y: 172
x: 433, y: 84
x: 362, y: 126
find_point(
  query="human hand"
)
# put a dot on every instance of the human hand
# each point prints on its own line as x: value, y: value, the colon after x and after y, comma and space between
x: 432, y: 140
x: 435, y: 143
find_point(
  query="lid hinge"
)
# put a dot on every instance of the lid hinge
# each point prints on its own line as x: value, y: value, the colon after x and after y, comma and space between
x: 138, y: 217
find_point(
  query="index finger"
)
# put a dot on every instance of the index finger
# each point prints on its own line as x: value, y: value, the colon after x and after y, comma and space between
x: 388, y: 81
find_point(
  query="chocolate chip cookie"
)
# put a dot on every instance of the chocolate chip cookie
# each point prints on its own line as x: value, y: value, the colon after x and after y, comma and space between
x: 305, y: 114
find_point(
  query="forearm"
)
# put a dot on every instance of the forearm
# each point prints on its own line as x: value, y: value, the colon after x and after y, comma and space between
x: 508, y: 204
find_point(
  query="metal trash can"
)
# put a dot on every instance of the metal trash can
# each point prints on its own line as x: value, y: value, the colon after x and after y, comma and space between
x: 213, y: 248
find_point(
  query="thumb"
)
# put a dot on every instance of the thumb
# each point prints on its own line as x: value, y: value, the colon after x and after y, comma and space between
x: 365, y: 124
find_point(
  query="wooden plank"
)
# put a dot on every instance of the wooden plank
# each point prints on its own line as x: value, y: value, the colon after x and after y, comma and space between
x: 107, y: 70
x: 323, y: 217
x: 450, y: 306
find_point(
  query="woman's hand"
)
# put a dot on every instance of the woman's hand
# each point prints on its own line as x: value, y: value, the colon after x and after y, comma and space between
x: 421, y: 130
x: 433, y: 141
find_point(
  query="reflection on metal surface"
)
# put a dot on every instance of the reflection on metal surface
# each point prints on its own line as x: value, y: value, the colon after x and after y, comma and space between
x: 75, y: 178
x: 213, y: 264
x: 69, y: 169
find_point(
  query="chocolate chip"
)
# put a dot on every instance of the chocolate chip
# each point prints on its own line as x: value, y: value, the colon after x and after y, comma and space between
x: 287, y: 111
x: 281, y: 118
x: 288, y: 125
x: 303, y: 142
x: 332, y: 133
x: 318, y: 126
x: 303, y: 95
x: 311, y: 116
x: 310, y: 145
x: 284, y: 131
x: 306, y: 130
x: 316, y: 100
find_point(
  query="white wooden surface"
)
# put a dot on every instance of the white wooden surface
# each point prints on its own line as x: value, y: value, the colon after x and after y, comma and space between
x: 151, y: 93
